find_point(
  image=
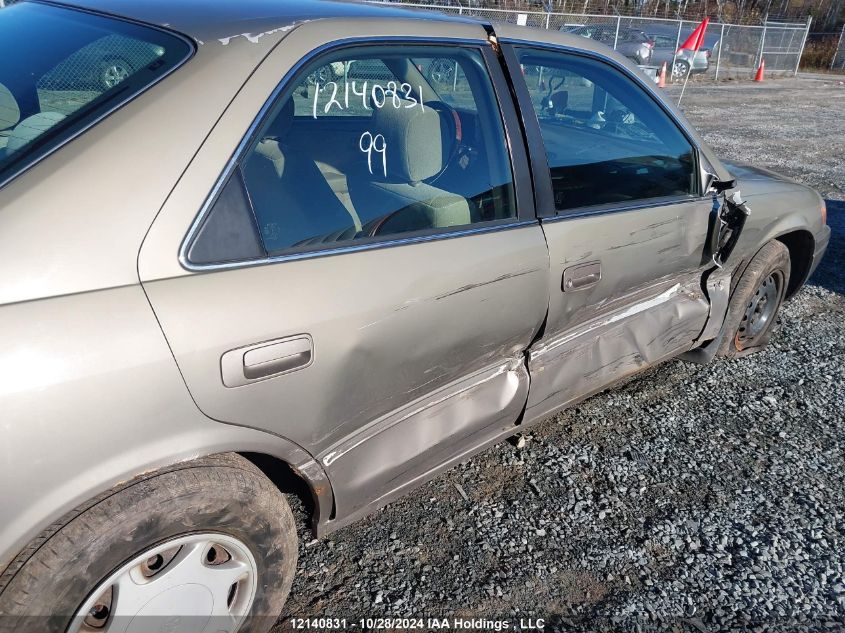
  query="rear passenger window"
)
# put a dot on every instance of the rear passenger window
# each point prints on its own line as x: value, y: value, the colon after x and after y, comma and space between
x: 606, y: 140
x: 63, y: 69
x: 369, y: 143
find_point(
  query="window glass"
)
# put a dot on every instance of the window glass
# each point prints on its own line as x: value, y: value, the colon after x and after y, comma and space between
x: 630, y: 35
x: 62, y: 68
x: 379, y: 141
x: 606, y: 140
x: 664, y: 41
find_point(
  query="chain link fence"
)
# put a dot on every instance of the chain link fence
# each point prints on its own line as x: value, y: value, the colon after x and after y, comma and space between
x: 729, y: 50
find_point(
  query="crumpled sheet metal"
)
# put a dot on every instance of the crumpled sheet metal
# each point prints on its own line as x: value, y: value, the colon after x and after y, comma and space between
x: 377, y: 459
x: 584, y: 361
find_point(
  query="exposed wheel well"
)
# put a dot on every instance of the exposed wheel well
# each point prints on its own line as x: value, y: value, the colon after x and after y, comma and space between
x: 801, y: 246
x: 290, y: 483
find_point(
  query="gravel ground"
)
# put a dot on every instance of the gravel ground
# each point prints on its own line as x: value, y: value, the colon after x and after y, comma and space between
x: 694, y: 498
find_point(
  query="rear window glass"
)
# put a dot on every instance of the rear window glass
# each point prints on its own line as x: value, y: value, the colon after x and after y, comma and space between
x: 368, y: 144
x: 62, y: 69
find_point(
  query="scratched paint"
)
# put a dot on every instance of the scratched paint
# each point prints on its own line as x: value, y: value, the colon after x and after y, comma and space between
x: 253, y: 38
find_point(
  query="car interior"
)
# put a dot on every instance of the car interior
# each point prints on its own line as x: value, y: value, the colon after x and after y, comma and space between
x: 408, y: 161
x: 55, y: 94
x: 605, y: 142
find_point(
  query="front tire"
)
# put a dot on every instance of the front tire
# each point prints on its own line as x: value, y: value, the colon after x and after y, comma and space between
x: 756, y: 301
x: 206, y: 545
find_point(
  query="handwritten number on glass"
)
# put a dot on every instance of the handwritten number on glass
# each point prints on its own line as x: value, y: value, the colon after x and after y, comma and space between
x: 369, y: 144
x: 379, y: 96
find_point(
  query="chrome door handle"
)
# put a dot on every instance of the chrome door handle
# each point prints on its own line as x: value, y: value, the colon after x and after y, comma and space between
x: 581, y: 276
x: 264, y: 360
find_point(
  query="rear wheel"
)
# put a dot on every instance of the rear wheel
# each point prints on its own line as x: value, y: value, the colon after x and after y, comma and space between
x: 441, y: 72
x: 322, y: 76
x: 680, y: 69
x: 208, y: 546
x: 756, y: 301
x: 112, y: 72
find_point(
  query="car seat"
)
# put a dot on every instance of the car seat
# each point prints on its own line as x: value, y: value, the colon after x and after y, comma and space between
x: 293, y: 203
x: 395, y: 198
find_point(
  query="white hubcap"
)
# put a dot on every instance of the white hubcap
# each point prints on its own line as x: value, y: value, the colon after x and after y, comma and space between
x: 202, y: 583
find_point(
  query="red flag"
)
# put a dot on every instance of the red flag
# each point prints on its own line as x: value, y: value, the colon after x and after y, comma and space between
x: 696, y: 38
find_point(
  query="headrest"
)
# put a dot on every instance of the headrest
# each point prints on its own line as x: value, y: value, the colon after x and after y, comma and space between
x: 558, y: 101
x: 269, y: 149
x: 280, y: 126
x: 10, y: 113
x: 31, y: 128
x: 269, y: 146
x: 413, y: 141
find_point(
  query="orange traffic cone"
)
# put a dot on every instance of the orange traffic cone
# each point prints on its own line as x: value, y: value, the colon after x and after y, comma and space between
x: 661, y: 81
x: 760, y: 70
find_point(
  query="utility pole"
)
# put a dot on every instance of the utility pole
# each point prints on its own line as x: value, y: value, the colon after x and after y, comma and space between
x: 803, y: 44
x: 762, y: 42
x: 836, y: 52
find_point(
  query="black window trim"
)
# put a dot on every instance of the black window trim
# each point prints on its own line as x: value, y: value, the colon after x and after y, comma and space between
x: 517, y: 158
x: 192, y: 50
x: 540, y: 167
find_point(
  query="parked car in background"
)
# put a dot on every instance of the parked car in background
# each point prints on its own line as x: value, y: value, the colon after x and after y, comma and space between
x: 224, y: 284
x: 632, y: 43
x: 102, y: 64
x: 437, y: 71
x: 666, y: 42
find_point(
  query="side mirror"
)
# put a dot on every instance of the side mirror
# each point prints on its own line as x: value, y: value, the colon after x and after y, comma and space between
x: 712, y: 183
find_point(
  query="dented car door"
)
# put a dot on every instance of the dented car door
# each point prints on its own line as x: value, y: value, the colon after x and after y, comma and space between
x: 624, y: 218
x: 369, y: 271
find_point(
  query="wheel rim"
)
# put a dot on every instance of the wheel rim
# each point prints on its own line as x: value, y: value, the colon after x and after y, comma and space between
x: 321, y: 75
x: 679, y: 69
x: 114, y: 74
x: 441, y: 72
x: 761, y: 309
x: 191, y: 584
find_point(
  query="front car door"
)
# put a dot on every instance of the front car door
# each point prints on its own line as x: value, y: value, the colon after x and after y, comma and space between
x: 368, y: 271
x: 624, y: 217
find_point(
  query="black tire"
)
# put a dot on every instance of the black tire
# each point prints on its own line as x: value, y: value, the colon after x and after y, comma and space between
x: 49, y: 581
x: 759, y: 293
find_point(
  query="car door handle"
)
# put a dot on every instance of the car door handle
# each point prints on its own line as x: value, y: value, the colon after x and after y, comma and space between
x: 264, y: 360
x: 581, y: 276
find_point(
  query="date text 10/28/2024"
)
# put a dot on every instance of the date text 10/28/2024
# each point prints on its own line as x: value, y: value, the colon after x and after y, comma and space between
x: 421, y: 624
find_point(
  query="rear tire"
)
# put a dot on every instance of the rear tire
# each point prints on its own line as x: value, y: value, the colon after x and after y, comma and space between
x: 756, y: 301
x: 218, y: 522
x: 112, y: 72
x: 680, y: 69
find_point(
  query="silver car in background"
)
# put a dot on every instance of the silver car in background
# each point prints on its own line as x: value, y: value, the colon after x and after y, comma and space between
x: 680, y: 62
x: 630, y: 42
x: 325, y: 250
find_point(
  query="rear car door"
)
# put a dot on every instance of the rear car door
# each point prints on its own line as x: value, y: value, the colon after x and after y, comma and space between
x: 624, y: 218
x: 367, y: 271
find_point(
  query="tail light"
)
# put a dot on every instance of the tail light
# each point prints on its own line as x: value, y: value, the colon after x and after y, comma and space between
x: 649, y: 43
